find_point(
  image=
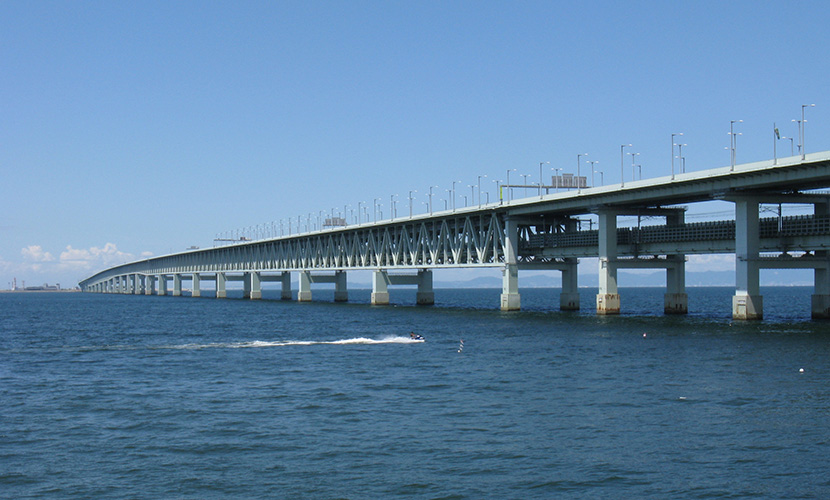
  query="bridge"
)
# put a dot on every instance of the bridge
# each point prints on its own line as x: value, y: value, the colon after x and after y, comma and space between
x: 540, y: 232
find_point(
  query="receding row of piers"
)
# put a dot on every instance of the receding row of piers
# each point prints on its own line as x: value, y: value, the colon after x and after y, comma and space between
x: 157, y: 284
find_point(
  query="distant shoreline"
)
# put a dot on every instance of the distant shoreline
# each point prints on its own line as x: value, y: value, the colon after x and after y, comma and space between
x: 62, y: 290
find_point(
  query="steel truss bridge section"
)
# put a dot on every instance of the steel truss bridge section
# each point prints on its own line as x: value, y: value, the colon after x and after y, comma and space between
x: 535, y: 233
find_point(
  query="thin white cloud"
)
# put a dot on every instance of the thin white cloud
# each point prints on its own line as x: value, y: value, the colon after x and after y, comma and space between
x: 93, y: 257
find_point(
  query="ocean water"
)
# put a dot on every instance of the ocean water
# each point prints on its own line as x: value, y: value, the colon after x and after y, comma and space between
x: 123, y: 397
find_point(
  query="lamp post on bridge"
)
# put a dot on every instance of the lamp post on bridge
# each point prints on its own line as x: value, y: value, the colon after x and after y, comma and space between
x: 359, y: 203
x: 498, y: 189
x: 479, y: 189
x: 733, y: 142
x: 803, y: 122
x: 541, y: 180
x: 633, y: 156
x: 680, y: 157
x: 453, y: 195
x: 509, y: 197
x: 556, y: 171
x: 524, y: 182
x: 593, y: 163
x: 410, y: 201
x: 392, y: 211
x: 672, y: 152
x: 430, y: 198
x: 578, y: 165
x: 472, y: 194
x: 622, y: 168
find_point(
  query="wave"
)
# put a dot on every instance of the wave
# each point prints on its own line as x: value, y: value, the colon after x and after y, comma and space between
x: 283, y: 343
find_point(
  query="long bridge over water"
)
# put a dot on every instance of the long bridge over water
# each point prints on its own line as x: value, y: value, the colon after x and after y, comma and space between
x: 541, y: 232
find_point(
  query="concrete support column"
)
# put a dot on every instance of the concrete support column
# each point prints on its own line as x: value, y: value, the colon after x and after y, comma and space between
x: 304, y: 293
x: 140, y: 284
x: 197, y: 286
x: 221, y: 290
x: 820, y: 301
x: 608, y: 298
x: 149, y: 285
x: 252, y: 286
x: 125, y: 284
x: 177, y: 285
x: 425, y: 296
x: 380, y: 288
x: 747, y: 302
x: 510, y: 298
x: 676, y: 301
x: 569, y: 298
x: 286, y: 286
x: 162, y: 284
x: 341, y: 292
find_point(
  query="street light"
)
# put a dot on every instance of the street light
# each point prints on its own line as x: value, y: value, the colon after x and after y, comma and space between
x: 578, y: 165
x: 430, y: 198
x: 410, y: 201
x: 509, y: 197
x: 359, y: 203
x: 524, y: 181
x: 498, y: 189
x: 633, y: 155
x: 672, y: 152
x: 680, y: 157
x: 472, y: 193
x: 453, y: 195
x: 392, y: 207
x: 792, y: 146
x: 640, y: 171
x: 556, y: 171
x: 733, y: 141
x: 622, y: 157
x: 593, y: 162
x: 541, y: 181
x: 479, y: 189
x: 803, y: 122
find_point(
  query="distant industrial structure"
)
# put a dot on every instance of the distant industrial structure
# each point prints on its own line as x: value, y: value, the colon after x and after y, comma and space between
x: 46, y: 287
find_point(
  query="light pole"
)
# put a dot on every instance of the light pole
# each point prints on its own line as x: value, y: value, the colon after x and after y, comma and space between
x: 556, y: 171
x: 472, y: 194
x: 509, y: 197
x: 803, y: 122
x: 540, y: 177
x: 578, y: 180
x: 376, y: 209
x: 498, y: 190
x: 524, y: 182
x: 622, y: 168
x: 633, y: 155
x: 640, y: 171
x: 593, y: 162
x: 453, y: 195
x: 410, y: 201
x: 733, y: 142
x: 392, y: 207
x: 359, y: 203
x: 479, y: 189
x: 680, y: 157
x: 672, y: 152
x: 430, y: 198
x: 792, y: 146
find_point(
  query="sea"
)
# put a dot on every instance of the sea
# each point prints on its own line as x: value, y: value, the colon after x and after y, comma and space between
x: 133, y: 397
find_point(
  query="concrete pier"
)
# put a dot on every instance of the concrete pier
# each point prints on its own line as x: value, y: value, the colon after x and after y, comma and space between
x: 196, y: 286
x: 252, y: 288
x: 608, y: 298
x: 747, y: 304
x: 510, y: 298
x: 177, y: 285
x: 569, y: 298
x: 380, y: 288
x: 304, y: 293
x: 221, y: 286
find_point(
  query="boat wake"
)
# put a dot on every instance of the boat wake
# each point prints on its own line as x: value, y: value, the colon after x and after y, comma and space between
x: 283, y: 343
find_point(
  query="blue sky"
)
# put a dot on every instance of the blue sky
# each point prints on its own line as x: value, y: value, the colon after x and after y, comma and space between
x: 141, y: 128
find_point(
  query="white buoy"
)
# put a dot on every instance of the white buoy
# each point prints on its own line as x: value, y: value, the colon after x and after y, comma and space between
x: 801, y: 370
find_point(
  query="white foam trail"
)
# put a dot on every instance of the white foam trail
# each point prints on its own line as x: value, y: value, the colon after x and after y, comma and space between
x: 260, y: 343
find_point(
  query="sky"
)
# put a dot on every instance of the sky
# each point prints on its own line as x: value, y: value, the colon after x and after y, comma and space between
x: 132, y: 129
